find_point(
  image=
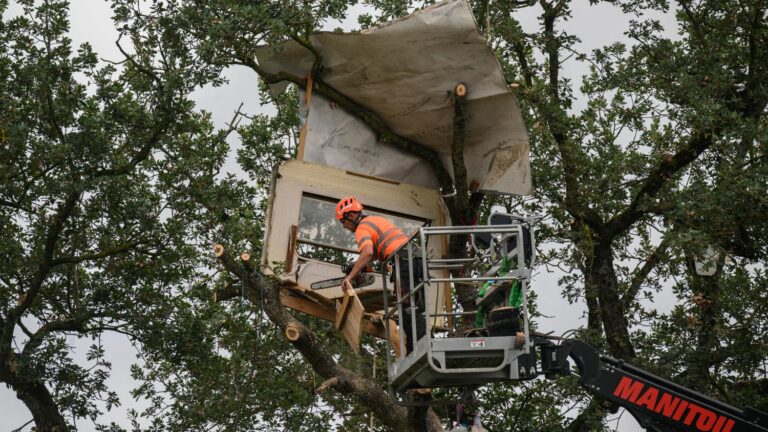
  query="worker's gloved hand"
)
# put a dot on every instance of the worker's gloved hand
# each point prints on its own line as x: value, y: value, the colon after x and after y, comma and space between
x: 346, y: 284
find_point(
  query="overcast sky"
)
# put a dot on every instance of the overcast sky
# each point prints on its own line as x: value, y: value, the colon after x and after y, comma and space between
x: 90, y: 22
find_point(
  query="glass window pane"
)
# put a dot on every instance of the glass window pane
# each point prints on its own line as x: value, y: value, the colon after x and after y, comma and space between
x: 318, y: 224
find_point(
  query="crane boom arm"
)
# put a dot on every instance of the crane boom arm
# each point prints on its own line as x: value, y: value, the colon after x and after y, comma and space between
x: 657, y: 404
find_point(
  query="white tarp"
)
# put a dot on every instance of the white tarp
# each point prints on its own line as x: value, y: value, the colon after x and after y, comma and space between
x: 405, y: 72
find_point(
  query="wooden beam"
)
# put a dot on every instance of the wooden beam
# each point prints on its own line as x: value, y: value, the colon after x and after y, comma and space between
x: 394, y: 337
x: 293, y: 234
x: 303, y: 291
x: 307, y: 306
x: 341, y: 312
x: 352, y: 323
x: 369, y: 323
x: 305, y: 126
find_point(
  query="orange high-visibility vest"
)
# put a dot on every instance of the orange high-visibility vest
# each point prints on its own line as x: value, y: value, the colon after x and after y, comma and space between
x: 381, y: 234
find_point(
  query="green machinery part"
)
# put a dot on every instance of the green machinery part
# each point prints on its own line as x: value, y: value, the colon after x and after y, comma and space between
x: 515, y: 298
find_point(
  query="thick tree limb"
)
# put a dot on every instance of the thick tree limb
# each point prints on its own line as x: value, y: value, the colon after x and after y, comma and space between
x: 227, y: 292
x: 40, y: 402
x: 601, y: 278
x: 519, y: 49
x: 457, y: 150
x: 94, y: 256
x: 367, y: 391
x: 659, y: 177
x: 642, y: 273
x: 52, y: 237
x: 330, y: 382
x: 70, y: 324
x: 706, y: 291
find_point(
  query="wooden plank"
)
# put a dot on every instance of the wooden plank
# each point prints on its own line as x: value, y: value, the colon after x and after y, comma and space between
x: 308, y: 307
x: 372, y: 298
x: 304, y: 128
x: 381, y: 179
x: 374, y: 329
x: 341, y: 312
x: 292, y: 235
x: 303, y: 291
x: 394, y: 337
x: 394, y: 333
x: 353, y: 323
x: 371, y: 325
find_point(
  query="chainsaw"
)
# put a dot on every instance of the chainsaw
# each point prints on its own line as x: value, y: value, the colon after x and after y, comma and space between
x: 365, y: 278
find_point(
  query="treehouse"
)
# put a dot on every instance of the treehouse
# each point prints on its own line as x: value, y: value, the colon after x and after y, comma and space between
x: 385, y: 112
x: 307, y: 247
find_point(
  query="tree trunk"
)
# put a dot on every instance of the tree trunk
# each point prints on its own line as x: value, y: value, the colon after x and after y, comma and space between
x: 34, y: 394
x: 601, y: 278
x: 594, y: 325
x: 40, y: 403
x: 706, y: 290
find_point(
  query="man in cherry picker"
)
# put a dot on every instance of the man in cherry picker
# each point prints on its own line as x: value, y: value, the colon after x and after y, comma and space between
x: 377, y: 237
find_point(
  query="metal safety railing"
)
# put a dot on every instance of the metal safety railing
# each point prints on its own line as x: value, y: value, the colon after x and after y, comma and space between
x: 491, y: 244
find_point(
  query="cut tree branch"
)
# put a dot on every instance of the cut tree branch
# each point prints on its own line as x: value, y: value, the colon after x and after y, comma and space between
x: 367, y: 391
x: 70, y: 324
x: 330, y: 382
x: 227, y: 292
x: 457, y: 150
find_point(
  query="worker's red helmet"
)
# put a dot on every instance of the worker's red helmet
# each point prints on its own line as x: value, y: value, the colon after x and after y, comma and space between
x: 347, y: 204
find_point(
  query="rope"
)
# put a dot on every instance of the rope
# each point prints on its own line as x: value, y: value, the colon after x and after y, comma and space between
x: 261, y: 308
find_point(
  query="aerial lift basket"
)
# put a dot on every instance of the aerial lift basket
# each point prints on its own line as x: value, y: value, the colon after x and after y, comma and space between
x: 440, y: 358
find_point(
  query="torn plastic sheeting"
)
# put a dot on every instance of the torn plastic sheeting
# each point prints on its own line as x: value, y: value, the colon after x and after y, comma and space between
x: 405, y: 72
x: 340, y: 140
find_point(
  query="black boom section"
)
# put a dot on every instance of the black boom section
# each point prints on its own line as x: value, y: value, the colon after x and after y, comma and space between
x: 659, y: 405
